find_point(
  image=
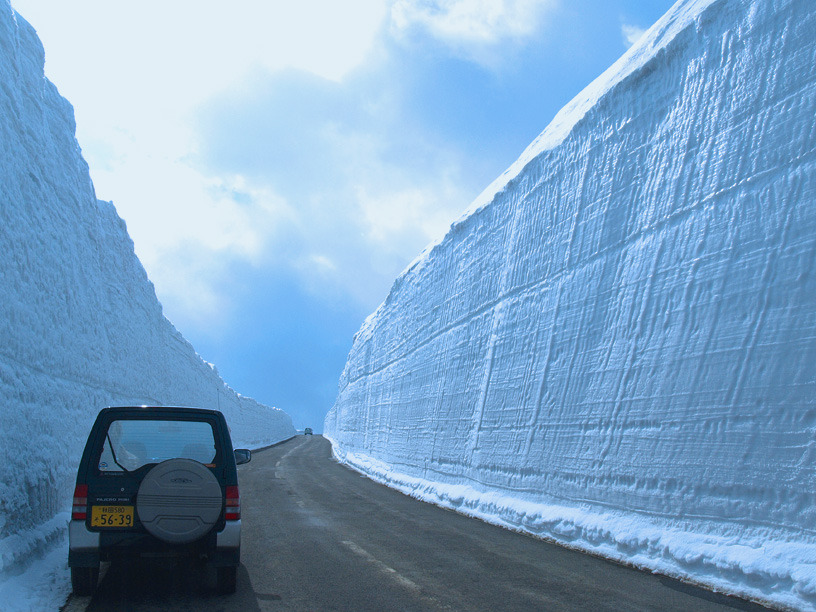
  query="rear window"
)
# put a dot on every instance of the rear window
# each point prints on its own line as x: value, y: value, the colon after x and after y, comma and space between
x: 129, y: 444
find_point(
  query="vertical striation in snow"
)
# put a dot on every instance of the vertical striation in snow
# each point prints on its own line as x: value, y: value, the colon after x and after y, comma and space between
x: 80, y: 325
x: 616, y: 346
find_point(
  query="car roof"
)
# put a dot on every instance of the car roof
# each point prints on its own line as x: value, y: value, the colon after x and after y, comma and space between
x: 158, y: 410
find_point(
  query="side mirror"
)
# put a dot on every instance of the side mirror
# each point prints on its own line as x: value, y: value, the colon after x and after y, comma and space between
x: 242, y: 455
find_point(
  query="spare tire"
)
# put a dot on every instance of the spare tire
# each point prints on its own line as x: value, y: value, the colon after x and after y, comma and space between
x: 179, y: 501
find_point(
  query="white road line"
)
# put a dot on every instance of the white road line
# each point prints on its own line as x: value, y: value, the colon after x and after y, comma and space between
x: 388, y: 571
x: 291, y: 450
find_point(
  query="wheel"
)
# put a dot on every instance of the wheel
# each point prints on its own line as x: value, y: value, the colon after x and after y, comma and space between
x: 84, y: 579
x: 226, y: 579
x: 179, y: 501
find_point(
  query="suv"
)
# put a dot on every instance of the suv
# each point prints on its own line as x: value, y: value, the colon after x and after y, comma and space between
x: 156, y: 480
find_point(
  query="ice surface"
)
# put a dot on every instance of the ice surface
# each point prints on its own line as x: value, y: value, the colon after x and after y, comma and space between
x: 616, y: 346
x: 80, y: 325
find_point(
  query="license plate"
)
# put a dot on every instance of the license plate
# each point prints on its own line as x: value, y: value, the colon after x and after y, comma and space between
x: 111, y: 516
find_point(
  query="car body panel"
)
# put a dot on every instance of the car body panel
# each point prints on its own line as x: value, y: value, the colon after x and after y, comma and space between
x: 114, y: 490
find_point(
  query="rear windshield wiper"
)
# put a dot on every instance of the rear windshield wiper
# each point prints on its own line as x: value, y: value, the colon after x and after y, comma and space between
x: 113, y: 453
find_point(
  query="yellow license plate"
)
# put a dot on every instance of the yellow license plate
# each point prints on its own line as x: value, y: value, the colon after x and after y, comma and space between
x: 111, y: 516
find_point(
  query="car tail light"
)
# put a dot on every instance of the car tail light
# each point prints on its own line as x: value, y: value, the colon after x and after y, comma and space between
x: 233, y: 509
x: 79, y: 511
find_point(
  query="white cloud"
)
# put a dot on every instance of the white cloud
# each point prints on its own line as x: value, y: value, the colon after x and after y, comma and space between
x: 136, y: 71
x: 196, y: 294
x: 470, y: 22
x: 631, y: 34
x: 165, y: 202
x: 359, y: 206
x: 188, y: 228
x: 322, y: 262
x: 414, y: 216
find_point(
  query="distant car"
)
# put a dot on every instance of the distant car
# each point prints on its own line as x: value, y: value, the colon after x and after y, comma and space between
x: 156, y: 480
x: 307, y: 431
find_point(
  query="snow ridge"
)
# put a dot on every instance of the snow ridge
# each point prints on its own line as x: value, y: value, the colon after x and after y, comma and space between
x: 616, y: 346
x: 80, y: 325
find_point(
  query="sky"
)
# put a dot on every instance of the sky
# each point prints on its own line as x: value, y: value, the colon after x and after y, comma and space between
x: 279, y: 164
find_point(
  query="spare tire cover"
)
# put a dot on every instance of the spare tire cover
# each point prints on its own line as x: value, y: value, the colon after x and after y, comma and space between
x: 179, y: 501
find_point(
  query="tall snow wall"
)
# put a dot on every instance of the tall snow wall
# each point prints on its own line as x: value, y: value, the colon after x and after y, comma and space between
x: 616, y: 346
x: 80, y: 325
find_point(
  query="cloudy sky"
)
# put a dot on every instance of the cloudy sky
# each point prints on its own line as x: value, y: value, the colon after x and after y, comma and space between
x: 279, y: 163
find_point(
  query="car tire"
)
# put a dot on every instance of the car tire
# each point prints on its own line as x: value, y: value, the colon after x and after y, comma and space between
x: 84, y: 580
x: 226, y: 579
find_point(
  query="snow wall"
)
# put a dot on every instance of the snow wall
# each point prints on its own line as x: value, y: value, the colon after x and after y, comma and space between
x: 615, y: 347
x: 80, y: 325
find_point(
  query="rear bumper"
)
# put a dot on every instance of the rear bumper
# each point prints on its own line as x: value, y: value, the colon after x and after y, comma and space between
x: 228, y: 546
x: 80, y: 538
x: 85, y: 547
x: 230, y: 536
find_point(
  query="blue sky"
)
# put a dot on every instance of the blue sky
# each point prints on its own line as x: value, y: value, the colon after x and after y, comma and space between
x: 278, y: 164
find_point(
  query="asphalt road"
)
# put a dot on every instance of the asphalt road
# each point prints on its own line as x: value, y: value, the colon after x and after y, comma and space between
x: 318, y: 536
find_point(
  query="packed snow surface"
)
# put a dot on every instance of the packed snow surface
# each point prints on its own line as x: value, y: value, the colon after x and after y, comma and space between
x: 615, y: 347
x: 80, y: 325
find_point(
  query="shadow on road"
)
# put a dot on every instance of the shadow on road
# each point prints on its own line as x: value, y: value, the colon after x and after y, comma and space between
x: 169, y: 584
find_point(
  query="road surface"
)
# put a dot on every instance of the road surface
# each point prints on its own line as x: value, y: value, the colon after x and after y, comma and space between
x: 318, y: 536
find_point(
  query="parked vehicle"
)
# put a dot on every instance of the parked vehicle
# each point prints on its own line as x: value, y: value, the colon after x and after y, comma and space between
x: 307, y: 431
x: 156, y: 480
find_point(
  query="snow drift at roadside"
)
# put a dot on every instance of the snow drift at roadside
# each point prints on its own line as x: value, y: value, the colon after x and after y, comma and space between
x: 616, y: 346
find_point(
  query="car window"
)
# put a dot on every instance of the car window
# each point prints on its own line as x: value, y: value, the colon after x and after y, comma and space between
x: 129, y: 443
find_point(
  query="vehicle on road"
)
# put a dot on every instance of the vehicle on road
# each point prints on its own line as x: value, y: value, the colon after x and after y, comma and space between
x: 307, y: 431
x: 156, y: 481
